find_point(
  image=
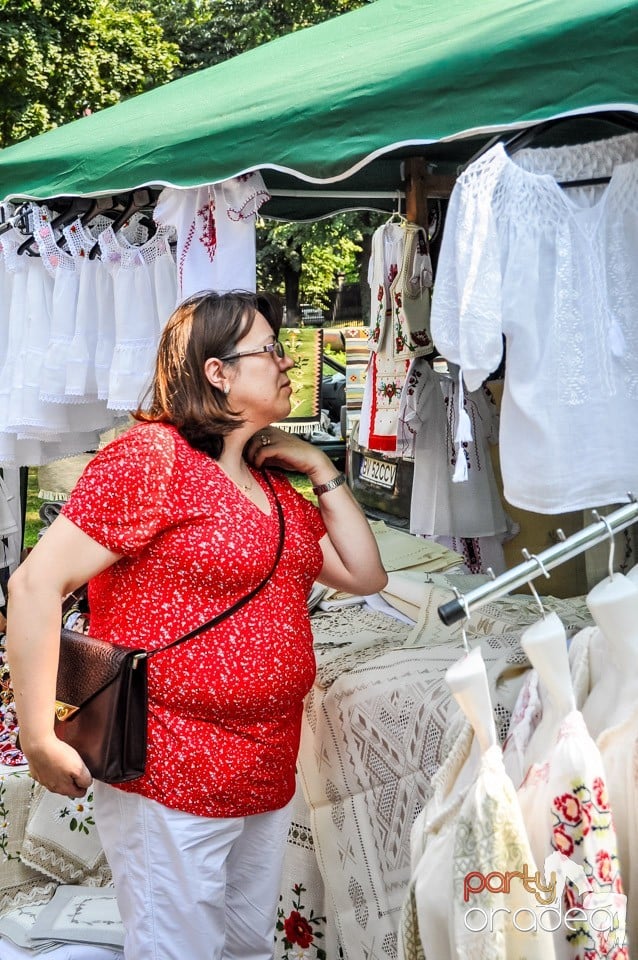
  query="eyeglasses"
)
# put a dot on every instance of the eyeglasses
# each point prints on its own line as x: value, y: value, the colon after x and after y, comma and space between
x: 275, y: 347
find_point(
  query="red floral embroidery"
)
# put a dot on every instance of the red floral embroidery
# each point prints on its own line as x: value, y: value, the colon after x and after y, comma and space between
x: 209, y: 228
x: 586, y: 818
x: 600, y: 793
x: 604, y: 866
x: 562, y: 841
x: 569, y: 807
x: 389, y: 390
x: 380, y: 293
x: 298, y: 930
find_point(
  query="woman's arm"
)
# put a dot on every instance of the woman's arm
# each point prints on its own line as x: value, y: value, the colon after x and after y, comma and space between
x: 63, y: 559
x: 351, y: 560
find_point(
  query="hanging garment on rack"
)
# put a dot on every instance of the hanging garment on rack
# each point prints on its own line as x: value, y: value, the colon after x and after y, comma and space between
x: 82, y: 414
x: 28, y: 415
x: 383, y: 267
x: 382, y: 390
x: 136, y: 331
x: 604, y: 659
x: 94, y: 313
x: 63, y: 267
x: 427, y: 919
x: 471, y: 827
x: 161, y: 262
x: 428, y: 413
x: 13, y: 309
x: 6, y: 279
x: 566, y: 809
x: 10, y: 520
x: 552, y: 270
x: 490, y: 838
x: 215, y: 224
x: 28, y: 448
x: 410, y: 297
x: 46, y: 431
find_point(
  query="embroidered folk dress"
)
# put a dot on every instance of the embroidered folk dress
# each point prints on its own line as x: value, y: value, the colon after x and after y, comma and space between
x: 618, y: 745
x: 216, y: 245
x: 225, y: 708
x: 472, y: 825
x: 566, y: 808
x: 386, y: 373
x: 552, y: 270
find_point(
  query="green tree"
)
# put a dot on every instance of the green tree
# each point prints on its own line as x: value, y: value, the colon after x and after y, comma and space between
x: 60, y: 59
x: 302, y: 261
x: 209, y: 31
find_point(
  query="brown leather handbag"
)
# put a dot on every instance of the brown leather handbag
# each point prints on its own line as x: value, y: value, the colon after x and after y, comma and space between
x: 101, y: 692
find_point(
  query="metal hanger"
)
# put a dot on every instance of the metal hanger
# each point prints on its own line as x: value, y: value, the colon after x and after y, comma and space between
x: 461, y: 599
x: 612, y: 542
x: 396, y: 216
x: 530, y: 583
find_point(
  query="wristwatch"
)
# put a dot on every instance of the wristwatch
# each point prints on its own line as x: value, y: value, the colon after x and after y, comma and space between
x: 330, y: 485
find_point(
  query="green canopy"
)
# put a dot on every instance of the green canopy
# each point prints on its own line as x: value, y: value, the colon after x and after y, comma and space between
x: 348, y: 99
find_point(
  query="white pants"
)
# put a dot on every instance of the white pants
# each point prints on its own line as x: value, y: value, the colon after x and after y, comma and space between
x: 192, y: 887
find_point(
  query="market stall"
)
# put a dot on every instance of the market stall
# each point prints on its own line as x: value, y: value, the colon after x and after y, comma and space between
x: 388, y: 102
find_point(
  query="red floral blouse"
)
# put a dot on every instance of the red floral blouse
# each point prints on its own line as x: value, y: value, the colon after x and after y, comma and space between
x: 224, y: 708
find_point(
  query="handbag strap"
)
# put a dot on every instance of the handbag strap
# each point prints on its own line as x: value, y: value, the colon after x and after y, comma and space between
x: 242, y: 600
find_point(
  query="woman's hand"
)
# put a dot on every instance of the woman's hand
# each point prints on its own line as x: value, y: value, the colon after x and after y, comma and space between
x: 351, y: 558
x: 277, y: 448
x: 59, y: 768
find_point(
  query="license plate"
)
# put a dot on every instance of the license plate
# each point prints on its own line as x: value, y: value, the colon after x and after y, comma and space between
x: 379, y: 472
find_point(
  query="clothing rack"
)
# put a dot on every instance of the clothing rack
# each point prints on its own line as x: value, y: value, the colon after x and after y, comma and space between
x: 340, y: 194
x: 536, y: 564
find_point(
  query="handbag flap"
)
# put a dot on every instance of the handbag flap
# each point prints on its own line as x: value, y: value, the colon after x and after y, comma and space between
x: 88, y: 665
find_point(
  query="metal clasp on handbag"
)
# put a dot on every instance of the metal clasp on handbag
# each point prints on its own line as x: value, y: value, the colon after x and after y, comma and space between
x: 64, y: 710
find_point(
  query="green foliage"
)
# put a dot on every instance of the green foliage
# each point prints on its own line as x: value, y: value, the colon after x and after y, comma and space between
x: 61, y: 59
x: 319, y: 252
x: 210, y: 31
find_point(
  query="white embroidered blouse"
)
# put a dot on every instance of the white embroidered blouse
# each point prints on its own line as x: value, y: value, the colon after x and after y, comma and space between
x: 552, y: 270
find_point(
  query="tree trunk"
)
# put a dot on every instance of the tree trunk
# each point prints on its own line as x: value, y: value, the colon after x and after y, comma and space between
x: 363, y: 260
x: 291, y: 283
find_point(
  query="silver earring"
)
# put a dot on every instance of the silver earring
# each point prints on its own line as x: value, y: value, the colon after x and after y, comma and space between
x: 226, y: 390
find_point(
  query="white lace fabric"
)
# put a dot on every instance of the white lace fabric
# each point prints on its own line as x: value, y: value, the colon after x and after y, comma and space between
x: 551, y: 270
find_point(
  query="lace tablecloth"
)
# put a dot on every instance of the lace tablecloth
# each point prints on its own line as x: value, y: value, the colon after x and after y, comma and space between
x: 378, y: 723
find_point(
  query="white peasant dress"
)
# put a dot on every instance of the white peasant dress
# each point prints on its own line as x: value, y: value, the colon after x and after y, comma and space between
x: 137, y: 325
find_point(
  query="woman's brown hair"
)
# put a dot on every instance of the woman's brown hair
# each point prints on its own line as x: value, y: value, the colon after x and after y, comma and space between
x: 207, y: 324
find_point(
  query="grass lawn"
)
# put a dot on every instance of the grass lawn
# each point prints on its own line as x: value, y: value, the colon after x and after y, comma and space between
x: 32, y: 522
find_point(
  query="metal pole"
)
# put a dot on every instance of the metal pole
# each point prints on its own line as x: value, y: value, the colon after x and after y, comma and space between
x: 577, y: 543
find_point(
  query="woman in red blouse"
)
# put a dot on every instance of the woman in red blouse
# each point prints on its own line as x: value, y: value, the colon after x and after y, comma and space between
x: 171, y: 524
